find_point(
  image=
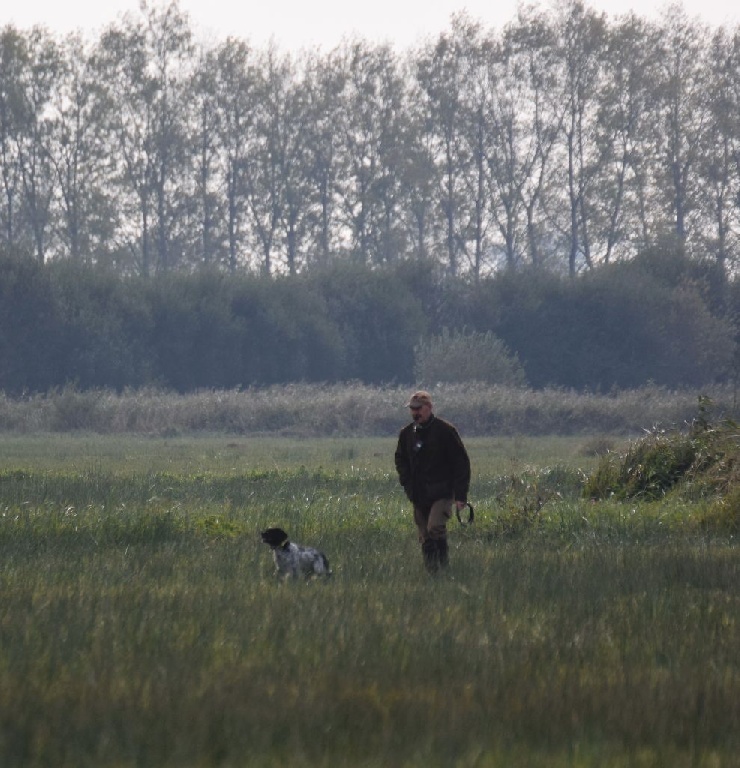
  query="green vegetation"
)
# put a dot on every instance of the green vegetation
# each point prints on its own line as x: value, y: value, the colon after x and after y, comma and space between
x: 353, y: 410
x: 141, y: 623
x: 624, y: 326
x: 700, y: 463
x: 466, y: 356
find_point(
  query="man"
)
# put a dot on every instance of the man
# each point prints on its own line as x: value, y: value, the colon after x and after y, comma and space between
x: 434, y: 469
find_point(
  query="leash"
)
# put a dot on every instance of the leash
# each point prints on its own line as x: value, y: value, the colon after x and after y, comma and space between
x: 471, y: 514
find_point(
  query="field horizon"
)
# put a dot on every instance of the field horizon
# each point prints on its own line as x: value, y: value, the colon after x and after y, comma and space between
x: 352, y: 409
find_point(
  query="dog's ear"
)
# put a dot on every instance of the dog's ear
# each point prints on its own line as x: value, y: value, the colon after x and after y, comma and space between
x: 268, y: 536
x: 274, y: 537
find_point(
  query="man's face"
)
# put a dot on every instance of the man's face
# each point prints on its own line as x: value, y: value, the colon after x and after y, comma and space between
x: 421, y: 413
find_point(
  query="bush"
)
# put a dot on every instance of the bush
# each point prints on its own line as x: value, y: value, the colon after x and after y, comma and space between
x: 700, y: 462
x: 30, y: 336
x: 456, y: 356
x: 377, y: 317
x: 619, y: 326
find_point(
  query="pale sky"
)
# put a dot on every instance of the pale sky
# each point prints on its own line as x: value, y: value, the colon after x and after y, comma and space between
x: 293, y: 24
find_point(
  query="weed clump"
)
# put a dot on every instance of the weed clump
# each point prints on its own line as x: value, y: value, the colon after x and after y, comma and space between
x: 520, y: 498
x: 648, y: 470
x: 723, y: 515
x: 701, y: 462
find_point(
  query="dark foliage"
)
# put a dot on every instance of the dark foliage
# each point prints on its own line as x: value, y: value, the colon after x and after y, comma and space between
x: 31, y: 357
x: 651, y: 320
x: 616, y: 327
x: 104, y: 326
x: 378, y: 318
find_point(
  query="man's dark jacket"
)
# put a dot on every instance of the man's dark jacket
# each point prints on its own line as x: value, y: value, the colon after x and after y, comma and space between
x: 432, y: 462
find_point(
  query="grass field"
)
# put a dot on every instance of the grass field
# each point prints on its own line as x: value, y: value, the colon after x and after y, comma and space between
x: 140, y: 623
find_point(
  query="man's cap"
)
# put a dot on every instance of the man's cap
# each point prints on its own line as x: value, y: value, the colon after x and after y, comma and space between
x: 422, y: 397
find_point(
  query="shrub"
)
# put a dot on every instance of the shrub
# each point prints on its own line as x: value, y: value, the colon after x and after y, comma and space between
x: 464, y: 355
x: 618, y: 326
x: 379, y: 320
x: 649, y: 469
x: 701, y: 461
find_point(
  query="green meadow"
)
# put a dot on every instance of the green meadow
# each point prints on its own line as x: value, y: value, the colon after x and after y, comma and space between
x: 141, y: 623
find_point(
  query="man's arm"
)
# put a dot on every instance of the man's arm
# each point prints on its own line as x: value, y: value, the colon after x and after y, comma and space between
x: 461, y: 469
x: 403, y: 466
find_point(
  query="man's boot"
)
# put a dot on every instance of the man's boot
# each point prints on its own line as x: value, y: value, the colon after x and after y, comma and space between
x: 442, y: 552
x: 430, y: 551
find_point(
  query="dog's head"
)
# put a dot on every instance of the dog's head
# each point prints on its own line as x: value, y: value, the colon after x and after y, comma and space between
x: 274, y: 537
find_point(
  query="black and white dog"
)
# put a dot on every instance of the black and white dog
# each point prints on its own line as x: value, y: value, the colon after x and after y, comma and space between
x: 292, y: 560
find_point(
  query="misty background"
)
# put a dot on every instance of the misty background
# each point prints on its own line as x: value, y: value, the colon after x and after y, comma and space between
x: 550, y: 205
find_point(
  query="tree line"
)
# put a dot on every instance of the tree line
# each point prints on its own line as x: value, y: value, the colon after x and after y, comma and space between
x: 660, y: 318
x: 566, y: 140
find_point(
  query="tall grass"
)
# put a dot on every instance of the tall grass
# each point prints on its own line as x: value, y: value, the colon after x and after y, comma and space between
x: 352, y: 410
x: 141, y: 624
